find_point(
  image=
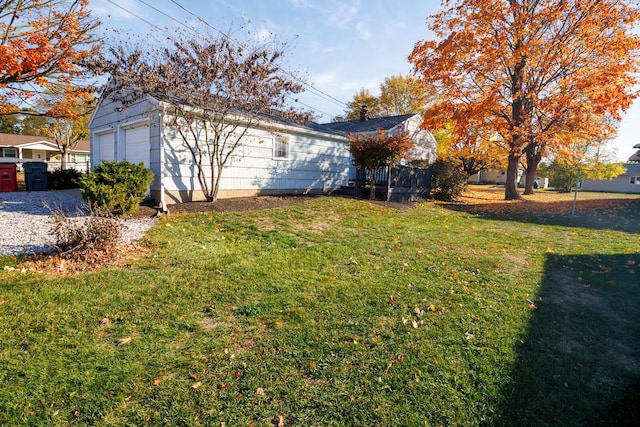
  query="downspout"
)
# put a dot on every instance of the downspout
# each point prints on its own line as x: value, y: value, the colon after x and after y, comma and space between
x: 163, y: 203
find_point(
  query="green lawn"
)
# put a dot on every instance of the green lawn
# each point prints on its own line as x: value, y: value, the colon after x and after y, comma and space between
x: 337, y: 312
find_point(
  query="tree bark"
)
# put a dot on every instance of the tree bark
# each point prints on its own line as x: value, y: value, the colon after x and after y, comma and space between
x: 63, y: 160
x: 534, y: 157
x: 511, y: 184
x: 372, y: 185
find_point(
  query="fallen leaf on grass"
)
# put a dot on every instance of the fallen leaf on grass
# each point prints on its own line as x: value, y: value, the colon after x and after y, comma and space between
x: 105, y: 321
x: 260, y: 391
x: 123, y: 341
x: 197, y: 385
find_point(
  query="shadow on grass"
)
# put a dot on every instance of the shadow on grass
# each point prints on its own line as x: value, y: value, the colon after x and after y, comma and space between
x: 609, y: 214
x: 579, y: 361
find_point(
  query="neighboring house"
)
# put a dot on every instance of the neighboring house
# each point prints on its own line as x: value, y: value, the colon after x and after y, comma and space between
x: 628, y: 182
x: 274, y: 158
x: 499, y: 177
x: 19, y: 149
x: 635, y: 157
x: 424, y: 144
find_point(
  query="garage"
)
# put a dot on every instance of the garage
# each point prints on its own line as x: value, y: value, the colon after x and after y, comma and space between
x: 136, y: 144
x: 106, y: 147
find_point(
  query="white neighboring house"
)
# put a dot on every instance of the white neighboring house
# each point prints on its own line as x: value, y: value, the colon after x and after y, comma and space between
x: 19, y: 149
x: 286, y: 158
x: 628, y: 182
x: 424, y: 144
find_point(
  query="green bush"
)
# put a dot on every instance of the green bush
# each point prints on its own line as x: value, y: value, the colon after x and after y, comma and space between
x: 63, y: 179
x: 448, y: 180
x: 562, y: 177
x: 116, y: 187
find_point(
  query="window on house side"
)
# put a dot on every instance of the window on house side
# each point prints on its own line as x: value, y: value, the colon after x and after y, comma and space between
x: 10, y: 152
x: 281, y: 147
x: 635, y: 180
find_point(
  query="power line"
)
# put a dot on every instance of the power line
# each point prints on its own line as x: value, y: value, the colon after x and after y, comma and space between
x: 317, y: 91
x: 312, y: 89
x: 137, y: 16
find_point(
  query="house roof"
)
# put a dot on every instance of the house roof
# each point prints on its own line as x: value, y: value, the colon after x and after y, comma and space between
x: 369, y: 125
x: 37, y: 143
x: 632, y: 169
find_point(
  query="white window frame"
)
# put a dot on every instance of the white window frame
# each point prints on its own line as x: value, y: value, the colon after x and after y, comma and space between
x: 281, y: 147
x: 634, y: 180
x: 12, y: 149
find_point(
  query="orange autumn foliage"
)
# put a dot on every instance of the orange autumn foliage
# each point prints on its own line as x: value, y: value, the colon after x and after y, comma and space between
x: 533, y: 73
x: 42, y: 46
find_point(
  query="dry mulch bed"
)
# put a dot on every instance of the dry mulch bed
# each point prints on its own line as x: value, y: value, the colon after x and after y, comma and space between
x: 250, y: 204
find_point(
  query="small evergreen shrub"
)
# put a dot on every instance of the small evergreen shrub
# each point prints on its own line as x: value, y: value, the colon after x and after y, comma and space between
x: 116, y: 187
x: 64, y: 179
x: 448, y: 180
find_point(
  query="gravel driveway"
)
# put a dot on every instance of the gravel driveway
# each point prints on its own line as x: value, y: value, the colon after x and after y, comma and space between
x: 25, y: 220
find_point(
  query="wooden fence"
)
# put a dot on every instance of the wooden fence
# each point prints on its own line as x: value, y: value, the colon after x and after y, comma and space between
x: 395, y: 184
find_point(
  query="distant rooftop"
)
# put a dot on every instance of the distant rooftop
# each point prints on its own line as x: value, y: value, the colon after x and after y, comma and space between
x: 369, y: 125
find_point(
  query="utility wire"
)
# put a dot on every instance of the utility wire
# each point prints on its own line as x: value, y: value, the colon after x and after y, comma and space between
x: 313, y: 90
x: 318, y: 92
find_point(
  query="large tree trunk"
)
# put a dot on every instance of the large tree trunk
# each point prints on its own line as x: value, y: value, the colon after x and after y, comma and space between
x: 529, y: 178
x: 63, y: 159
x: 534, y: 157
x: 511, y: 185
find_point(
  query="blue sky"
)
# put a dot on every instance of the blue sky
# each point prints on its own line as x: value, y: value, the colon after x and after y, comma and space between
x: 339, y: 46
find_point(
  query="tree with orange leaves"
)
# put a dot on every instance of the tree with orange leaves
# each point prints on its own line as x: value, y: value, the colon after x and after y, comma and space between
x: 42, y: 46
x: 531, y: 72
x: 373, y: 152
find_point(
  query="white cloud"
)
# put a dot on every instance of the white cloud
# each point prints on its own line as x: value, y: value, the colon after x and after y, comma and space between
x: 340, y: 14
x: 302, y: 3
x: 363, y: 32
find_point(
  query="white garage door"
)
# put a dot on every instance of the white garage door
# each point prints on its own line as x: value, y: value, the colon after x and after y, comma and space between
x: 106, y: 147
x: 136, y: 145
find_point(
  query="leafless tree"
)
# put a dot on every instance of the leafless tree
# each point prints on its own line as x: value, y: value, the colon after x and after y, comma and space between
x: 214, y: 90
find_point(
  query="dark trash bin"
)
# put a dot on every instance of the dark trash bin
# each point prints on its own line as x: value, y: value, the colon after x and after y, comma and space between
x: 35, y: 176
x: 8, y: 181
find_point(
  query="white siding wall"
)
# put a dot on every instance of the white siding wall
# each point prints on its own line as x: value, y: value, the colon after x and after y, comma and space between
x: 314, y: 163
x: 317, y: 161
x: 112, y: 118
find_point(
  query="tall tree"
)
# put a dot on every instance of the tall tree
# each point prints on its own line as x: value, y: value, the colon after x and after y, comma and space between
x: 42, y: 44
x: 468, y: 146
x: 362, y: 97
x: 530, y: 71
x: 404, y: 95
x: 214, y: 91
x: 70, y: 124
x: 398, y: 95
x: 69, y: 131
